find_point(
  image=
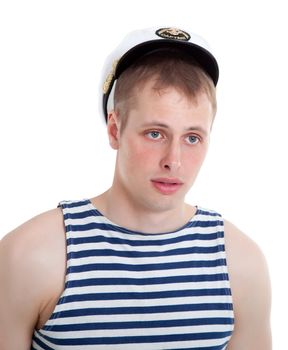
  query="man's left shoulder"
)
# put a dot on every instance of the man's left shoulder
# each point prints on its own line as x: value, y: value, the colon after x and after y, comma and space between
x: 251, y: 290
x: 242, y: 252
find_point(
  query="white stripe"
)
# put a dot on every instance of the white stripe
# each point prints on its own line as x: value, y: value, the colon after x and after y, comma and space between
x: 136, y: 332
x: 143, y: 249
x: 39, y: 336
x: 78, y: 305
x: 36, y: 347
x: 75, y: 210
x: 147, y: 260
x: 147, y: 274
x: 147, y: 288
x: 142, y: 317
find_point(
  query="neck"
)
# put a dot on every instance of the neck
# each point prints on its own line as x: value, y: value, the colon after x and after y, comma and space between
x: 119, y: 210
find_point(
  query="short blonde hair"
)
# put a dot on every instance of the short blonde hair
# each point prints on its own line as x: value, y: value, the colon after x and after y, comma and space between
x: 169, y: 68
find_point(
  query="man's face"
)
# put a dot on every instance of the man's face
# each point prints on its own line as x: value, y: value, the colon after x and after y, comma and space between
x: 162, y: 147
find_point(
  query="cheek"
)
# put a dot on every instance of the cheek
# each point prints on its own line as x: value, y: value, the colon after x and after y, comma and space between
x: 140, y: 150
x: 194, y: 160
x: 136, y: 156
x: 144, y: 160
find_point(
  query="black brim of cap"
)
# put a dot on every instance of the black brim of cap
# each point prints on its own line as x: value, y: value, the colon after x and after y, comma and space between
x: 203, y: 57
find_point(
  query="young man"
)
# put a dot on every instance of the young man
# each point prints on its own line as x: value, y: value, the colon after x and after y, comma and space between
x: 137, y: 267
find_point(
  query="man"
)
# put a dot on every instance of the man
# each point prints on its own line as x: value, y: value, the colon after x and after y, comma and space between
x: 137, y: 267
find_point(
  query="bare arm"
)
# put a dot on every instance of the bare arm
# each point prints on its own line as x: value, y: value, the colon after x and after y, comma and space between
x: 19, y: 311
x: 251, y: 292
x: 27, y: 281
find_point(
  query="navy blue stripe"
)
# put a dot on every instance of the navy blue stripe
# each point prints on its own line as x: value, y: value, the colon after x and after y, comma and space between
x: 140, y: 324
x: 139, y: 339
x: 136, y: 243
x: 206, y: 212
x: 40, y: 343
x: 206, y: 223
x: 147, y: 267
x: 142, y: 310
x: 144, y: 296
x: 74, y: 204
x: 120, y: 281
x: 149, y: 254
x: 105, y: 226
x: 81, y: 215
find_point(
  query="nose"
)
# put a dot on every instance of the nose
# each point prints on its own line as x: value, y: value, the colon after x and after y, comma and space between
x: 172, y: 157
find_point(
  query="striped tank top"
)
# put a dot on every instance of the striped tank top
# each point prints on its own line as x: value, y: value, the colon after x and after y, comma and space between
x: 131, y: 290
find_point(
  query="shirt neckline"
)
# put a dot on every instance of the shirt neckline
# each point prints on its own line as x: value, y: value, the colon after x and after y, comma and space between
x: 134, y: 232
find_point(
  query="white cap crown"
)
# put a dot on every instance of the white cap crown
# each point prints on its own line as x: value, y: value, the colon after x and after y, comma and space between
x: 139, y: 42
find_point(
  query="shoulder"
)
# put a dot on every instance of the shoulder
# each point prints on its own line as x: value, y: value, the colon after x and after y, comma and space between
x: 250, y: 286
x: 32, y: 238
x: 243, y: 253
x: 29, y: 257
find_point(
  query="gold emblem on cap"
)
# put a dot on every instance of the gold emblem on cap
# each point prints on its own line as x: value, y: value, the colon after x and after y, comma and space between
x: 173, y: 33
x: 110, y: 77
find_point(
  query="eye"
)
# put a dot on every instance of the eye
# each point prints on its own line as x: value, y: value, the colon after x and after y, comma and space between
x: 192, y: 139
x: 154, y: 135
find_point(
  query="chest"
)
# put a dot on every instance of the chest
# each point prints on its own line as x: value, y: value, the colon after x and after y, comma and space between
x: 153, y: 294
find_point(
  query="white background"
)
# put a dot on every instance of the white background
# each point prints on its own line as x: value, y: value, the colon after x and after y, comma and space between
x: 52, y: 139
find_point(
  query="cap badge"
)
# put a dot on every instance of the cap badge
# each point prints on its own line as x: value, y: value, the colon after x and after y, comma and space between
x: 173, y: 33
x: 110, y: 77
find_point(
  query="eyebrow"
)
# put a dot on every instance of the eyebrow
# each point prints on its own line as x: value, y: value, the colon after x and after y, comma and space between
x: 165, y: 126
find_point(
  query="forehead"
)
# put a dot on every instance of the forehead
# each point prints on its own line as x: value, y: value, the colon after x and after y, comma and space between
x: 170, y: 106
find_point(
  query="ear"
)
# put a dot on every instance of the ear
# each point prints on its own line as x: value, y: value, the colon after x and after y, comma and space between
x: 113, y: 129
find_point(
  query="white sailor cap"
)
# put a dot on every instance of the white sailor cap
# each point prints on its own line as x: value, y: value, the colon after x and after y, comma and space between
x: 140, y: 42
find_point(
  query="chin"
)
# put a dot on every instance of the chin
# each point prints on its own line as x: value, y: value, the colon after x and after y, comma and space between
x: 166, y: 203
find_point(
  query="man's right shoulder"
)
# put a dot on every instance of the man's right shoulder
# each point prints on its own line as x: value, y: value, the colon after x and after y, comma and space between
x: 35, y: 244
x: 32, y: 266
x: 34, y: 233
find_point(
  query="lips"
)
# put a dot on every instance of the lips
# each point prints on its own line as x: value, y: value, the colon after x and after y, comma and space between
x: 167, y: 186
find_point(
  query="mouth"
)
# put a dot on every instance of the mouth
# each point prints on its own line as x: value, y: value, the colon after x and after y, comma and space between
x: 167, y: 186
